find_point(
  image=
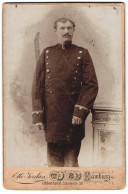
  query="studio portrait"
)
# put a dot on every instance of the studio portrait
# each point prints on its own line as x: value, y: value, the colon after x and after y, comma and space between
x: 63, y: 85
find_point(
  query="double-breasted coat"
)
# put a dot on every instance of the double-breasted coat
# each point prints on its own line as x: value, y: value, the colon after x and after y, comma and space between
x: 64, y: 85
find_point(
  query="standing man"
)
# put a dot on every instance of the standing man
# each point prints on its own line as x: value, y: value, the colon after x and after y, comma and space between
x: 63, y: 92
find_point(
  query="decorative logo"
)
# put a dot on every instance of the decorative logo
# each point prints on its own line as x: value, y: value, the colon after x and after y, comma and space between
x: 73, y: 175
x: 68, y: 175
x: 57, y: 175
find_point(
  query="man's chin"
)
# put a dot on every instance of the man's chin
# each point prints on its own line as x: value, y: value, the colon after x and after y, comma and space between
x: 67, y: 41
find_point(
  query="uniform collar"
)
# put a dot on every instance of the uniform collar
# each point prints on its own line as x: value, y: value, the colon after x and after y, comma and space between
x: 65, y: 45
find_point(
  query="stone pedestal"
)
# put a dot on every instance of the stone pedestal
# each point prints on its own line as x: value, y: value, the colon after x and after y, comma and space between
x: 107, y: 137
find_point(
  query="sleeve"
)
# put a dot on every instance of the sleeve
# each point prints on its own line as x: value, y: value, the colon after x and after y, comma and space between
x: 38, y: 89
x: 89, y: 88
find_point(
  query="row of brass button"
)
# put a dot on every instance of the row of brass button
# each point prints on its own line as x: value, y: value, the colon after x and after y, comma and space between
x: 48, y: 71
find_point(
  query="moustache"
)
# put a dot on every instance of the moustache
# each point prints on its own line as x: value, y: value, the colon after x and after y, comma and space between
x: 66, y: 35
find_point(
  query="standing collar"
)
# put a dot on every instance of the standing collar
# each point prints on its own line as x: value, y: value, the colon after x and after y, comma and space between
x: 65, y: 45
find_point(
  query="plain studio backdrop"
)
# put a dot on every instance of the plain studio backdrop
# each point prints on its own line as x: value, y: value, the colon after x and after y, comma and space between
x: 98, y: 28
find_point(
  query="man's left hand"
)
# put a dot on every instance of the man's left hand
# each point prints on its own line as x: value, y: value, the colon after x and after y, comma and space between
x: 76, y: 120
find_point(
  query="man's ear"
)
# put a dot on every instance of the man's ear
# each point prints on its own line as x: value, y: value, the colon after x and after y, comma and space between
x: 54, y: 29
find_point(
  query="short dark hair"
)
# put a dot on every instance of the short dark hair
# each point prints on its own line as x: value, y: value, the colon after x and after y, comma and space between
x: 63, y: 20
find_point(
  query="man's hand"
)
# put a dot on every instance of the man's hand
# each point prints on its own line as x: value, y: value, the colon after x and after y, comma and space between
x: 40, y: 125
x: 76, y: 120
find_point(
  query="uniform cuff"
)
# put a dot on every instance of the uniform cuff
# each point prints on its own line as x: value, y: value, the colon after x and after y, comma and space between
x: 38, y: 118
x: 81, y: 112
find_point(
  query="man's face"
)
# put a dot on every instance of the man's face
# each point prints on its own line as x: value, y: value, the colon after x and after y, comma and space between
x: 64, y: 31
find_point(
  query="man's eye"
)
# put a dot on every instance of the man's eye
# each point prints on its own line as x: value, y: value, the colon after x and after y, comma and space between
x: 62, y: 28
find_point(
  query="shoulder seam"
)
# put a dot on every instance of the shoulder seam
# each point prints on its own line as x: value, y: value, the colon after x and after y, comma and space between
x: 50, y: 47
x: 79, y: 47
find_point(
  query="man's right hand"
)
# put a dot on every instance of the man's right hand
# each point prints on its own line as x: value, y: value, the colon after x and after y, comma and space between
x: 40, y: 125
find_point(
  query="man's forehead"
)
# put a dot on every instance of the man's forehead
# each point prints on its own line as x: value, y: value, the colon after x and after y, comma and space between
x: 68, y: 23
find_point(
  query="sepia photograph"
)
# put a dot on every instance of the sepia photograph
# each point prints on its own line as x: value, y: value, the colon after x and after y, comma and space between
x: 63, y: 96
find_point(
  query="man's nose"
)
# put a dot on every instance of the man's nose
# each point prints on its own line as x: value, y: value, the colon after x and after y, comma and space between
x: 66, y: 30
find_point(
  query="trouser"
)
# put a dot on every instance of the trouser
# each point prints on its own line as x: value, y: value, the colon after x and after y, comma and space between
x: 63, y: 155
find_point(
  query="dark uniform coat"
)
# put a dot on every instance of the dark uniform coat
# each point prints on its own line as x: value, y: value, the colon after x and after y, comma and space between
x: 65, y: 85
